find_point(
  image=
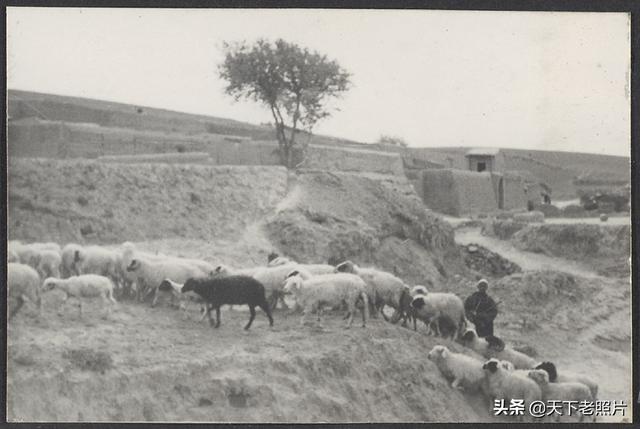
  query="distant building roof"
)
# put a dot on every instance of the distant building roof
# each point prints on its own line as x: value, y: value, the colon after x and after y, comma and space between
x: 483, y: 151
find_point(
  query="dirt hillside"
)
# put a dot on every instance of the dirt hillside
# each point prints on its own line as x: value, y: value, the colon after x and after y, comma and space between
x: 88, y: 201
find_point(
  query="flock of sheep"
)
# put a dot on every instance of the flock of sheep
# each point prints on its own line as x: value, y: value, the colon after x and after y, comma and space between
x: 87, y: 272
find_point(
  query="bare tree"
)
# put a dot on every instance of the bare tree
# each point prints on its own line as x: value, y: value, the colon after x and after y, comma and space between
x: 294, y: 83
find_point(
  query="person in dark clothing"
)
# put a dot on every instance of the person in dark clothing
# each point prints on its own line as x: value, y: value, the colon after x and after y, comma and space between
x: 481, y: 310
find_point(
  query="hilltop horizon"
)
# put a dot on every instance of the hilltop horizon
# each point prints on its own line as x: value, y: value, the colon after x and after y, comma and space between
x: 332, y: 137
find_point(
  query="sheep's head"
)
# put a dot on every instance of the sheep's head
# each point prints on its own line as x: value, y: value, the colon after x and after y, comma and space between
x: 188, y: 286
x: 438, y: 352
x: 506, y: 365
x: 165, y: 286
x: 540, y: 376
x: 134, y: 265
x: 292, y: 283
x: 49, y: 284
x: 469, y: 336
x: 271, y: 257
x: 495, y: 343
x: 419, y: 290
x: 492, y: 365
x: 418, y: 302
x: 550, y: 369
x: 220, y: 270
x: 346, y: 267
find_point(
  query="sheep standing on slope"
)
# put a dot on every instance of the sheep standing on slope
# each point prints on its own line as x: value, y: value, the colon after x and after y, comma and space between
x: 83, y: 286
x: 567, y: 391
x: 219, y: 291
x: 503, y: 384
x: 67, y: 266
x: 466, y: 372
x: 97, y: 260
x: 153, y: 273
x: 22, y: 282
x: 497, y: 349
x: 313, y: 292
x: 29, y: 254
x: 49, y: 264
x: 436, y: 305
x: 388, y: 288
x: 555, y: 377
x: 471, y: 340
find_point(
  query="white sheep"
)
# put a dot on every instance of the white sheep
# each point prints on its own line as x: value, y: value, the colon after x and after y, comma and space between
x: 22, y: 282
x: 313, y: 292
x: 152, y: 274
x: 466, y: 372
x: 505, y: 385
x: 272, y: 278
x: 97, y: 260
x: 566, y: 391
x: 471, y: 340
x: 83, y: 286
x: 49, y: 264
x: 434, y: 305
x: 566, y: 376
x: 387, y: 287
x: 68, y: 255
x: 498, y: 350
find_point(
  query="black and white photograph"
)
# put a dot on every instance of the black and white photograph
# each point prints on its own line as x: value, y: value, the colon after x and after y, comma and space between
x: 246, y: 215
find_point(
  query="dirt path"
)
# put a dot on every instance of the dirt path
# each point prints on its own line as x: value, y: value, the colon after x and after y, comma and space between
x: 528, y: 261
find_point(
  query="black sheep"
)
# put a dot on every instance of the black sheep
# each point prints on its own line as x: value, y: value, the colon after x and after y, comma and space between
x: 232, y: 290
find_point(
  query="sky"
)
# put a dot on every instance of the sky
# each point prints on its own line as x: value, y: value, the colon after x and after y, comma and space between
x: 524, y: 80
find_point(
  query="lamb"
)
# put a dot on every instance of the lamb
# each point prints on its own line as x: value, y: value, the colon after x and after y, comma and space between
x: 152, y: 274
x: 497, y: 349
x: 218, y: 291
x: 83, y: 286
x: 68, y: 255
x: 49, y: 264
x: 566, y: 391
x: 502, y: 384
x: 388, y: 288
x: 565, y: 376
x: 312, y: 292
x: 466, y: 372
x: 435, y: 305
x: 22, y: 282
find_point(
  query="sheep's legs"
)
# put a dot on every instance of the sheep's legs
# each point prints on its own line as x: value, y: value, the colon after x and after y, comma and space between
x: 252, y: 310
x: 266, y: 309
x: 15, y: 309
x: 208, y: 313
x: 352, y: 309
x: 217, y: 317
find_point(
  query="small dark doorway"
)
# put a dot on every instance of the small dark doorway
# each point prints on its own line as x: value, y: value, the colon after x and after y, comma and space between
x: 482, y: 166
x: 501, y: 193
